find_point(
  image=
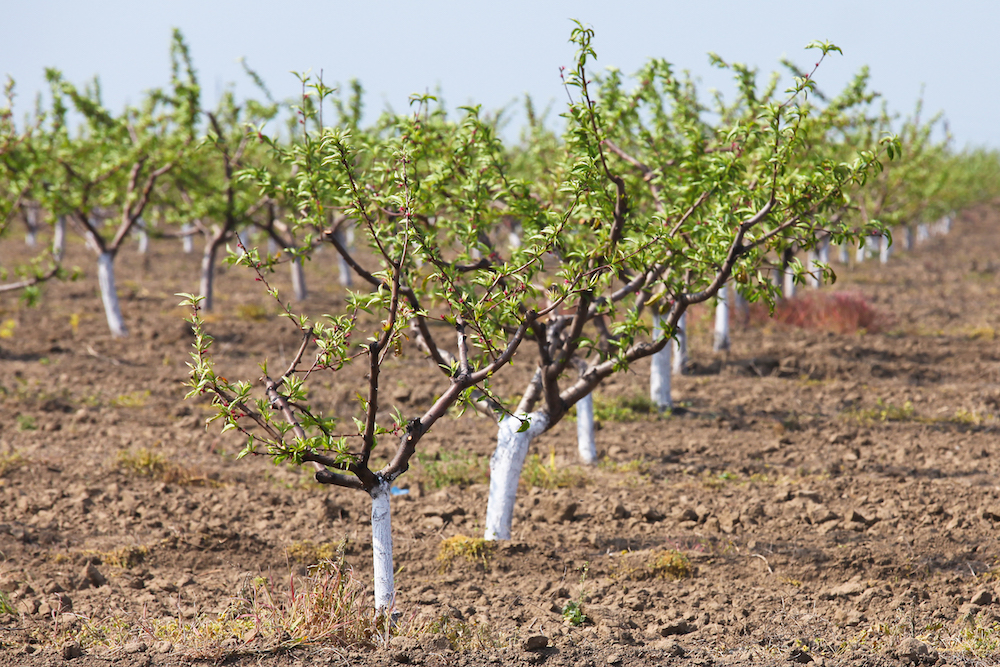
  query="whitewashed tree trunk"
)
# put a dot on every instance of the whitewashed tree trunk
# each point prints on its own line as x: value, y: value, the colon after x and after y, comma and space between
x: 206, y: 286
x: 812, y: 271
x: 908, y: 239
x: 140, y: 226
x: 505, y: 470
x: 844, y: 255
x: 385, y: 586
x: 272, y: 247
x: 659, y: 371
x: 823, y: 250
x: 298, y: 280
x: 109, y: 294
x: 923, y: 233
x: 679, y: 347
x: 788, y: 282
x: 884, y: 249
x: 721, y: 340
x: 586, y: 443
x: 187, y: 239
x: 346, y: 275
x: 31, y: 220
x: 59, y: 238
x: 859, y: 256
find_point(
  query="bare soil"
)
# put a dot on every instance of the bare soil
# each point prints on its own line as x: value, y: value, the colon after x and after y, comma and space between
x: 835, y: 496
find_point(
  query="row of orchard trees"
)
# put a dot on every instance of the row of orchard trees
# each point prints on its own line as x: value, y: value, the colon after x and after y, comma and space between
x: 575, y: 254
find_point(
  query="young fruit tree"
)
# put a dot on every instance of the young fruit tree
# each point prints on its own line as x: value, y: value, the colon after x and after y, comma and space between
x: 22, y: 168
x: 210, y: 192
x: 657, y: 210
x: 641, y: 206
x: 420, y: 190
x: 109, y: 167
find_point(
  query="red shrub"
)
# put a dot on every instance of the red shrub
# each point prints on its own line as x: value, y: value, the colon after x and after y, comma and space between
x: 839, y: 312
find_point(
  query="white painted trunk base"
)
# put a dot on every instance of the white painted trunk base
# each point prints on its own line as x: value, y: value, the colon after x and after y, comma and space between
x: 923, y: 232
x: 109, y: 294
x: 505, y: 470
x: 206, y: 285
x: 586, y: 443
x: 59, y: 238
x: 823, y: 250
x: 143, y: 236
x: 346, y: 275
x: 188, y: 240
x: 812, y: 272
x: 298, y: 280
x: 31, y: 219
x: 385, y: 585
x: 884, y: 249
x: 720, y: 342
x: 679, y: 347
x: 788, y: 283
x: 843, y: 256
x: 659, y: 371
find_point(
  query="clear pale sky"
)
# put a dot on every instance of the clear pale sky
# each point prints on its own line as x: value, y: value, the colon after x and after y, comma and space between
x: 493, y: 52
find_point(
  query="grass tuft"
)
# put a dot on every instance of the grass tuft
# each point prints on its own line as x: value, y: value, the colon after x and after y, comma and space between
x: 145, y: 462
x: 624, y: 408
x: 461, y: 469
x: 546, y: 475
x: 330, y: 607
x: 252, y: 312
x: 662, y: 564
x: 125, y: 557
x: 471, y: 549
x: 11, y: 461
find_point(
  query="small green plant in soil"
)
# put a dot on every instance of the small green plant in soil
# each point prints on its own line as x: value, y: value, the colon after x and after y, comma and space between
x: 5, y: 604
x: 572, y: 613
x: 26, y: 423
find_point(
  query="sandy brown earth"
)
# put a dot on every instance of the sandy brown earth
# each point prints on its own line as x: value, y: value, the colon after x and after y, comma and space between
x: 829, y: 498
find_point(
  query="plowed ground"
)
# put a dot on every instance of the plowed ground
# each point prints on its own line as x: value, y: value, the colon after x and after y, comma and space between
x: 830, y: 497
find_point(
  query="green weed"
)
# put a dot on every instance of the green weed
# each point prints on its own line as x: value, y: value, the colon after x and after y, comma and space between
x: 26, y: 423
x: 572, y: 613
x: 624, y: 408
x: 546, y: 475
x: 460, y: 469
x: 471, y: 549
